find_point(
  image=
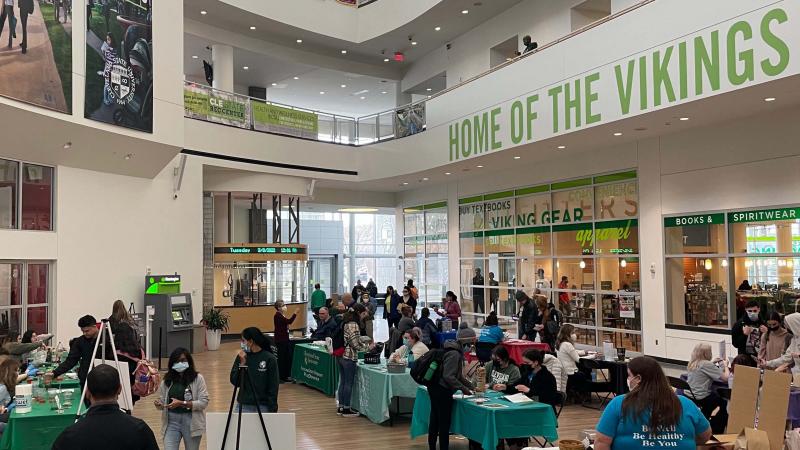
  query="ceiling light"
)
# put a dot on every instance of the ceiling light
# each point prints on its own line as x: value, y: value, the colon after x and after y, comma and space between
x: 252, y: 28
x: 67, y: 145
x: 405, y: 183
x: 428, y: 89
x: 437, y: 28
x: 425, y: 179
x: 321, y: 92
x: 562, y: 147
x: 725, y: 262
x: 203, y: 12
x: 464, y: 11
x: 708, y: 264
x: 296, y: 78
x: 430, y: 96
x: 274, y: 84
x: 617, y: 134
x: 582, y: 264
x: 383, y: 92
x: 358, y: 210
x: 517, y: 157
x: 684, y: 119
x: 769, y: 99
x: 480, y: 167
x: 362, y: 97
x: 413, y: 42
x: 343, y: 85
x: 447, y: 173
x: 245, y: 67
x: 623, y: 263
x: 344, y: 52
x: 385, y: 59
x: 194, y: 56
x: 299, y: 41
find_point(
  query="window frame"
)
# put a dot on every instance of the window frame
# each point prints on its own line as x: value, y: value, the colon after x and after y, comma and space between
x: 21, y: 165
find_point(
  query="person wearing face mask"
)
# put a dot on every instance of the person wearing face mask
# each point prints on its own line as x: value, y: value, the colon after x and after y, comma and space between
x: 408, y: 299
x: 775, y: 341
x: 651, y: 414
x: 371, y: 305
x: 537, y: 382
x: 390, y: 311
x: 501, y: 373
x: 412, y: 348
x: 282, y: 340
x: 182, y: 400
x: 569, y: 357
x: 703, y: 372
x: 746, y: 332
x: 791, y: 358
x: 348, y: 361
x: 262, y: 368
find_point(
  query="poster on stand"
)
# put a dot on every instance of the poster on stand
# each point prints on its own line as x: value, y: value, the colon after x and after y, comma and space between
x: 119, y: 63
x: 36, y: 53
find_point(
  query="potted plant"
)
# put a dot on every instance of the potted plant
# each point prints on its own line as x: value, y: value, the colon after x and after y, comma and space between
x: 216, y: 322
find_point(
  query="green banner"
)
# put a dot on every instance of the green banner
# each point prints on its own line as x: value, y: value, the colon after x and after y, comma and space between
x: 764, y: 215
x: 276, y: 119
x: 697, y: 219
x: 200, y: 102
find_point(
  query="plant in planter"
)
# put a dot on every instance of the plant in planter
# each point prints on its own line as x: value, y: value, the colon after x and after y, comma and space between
x: 216, y: 322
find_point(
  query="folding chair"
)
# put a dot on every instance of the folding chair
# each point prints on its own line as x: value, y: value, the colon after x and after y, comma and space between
x: 683, y: 386
x: 597, y: 387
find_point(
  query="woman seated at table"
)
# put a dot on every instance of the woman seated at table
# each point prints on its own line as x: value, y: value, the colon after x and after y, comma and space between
x: 412, y: 348
x: 703, y: 372
x: 537, y: 382
x: 491, y: 332
x: 570, y: 357
x: 427, y: 326
x: 501, y: 372
x: 9, y: 369
x: 775, y: 341
x: 628, y: 420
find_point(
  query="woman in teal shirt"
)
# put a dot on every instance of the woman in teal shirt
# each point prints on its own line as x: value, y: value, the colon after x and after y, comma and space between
x: 629, y: 419
x: 491, y: 331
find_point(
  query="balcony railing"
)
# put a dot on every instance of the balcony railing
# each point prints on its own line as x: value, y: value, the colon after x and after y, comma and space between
x: 213, y: 105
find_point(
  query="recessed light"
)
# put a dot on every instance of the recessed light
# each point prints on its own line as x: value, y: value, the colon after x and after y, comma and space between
x: 362, y: 97
x: 274, y: 84
x: 321, y: 92
x: 245, y: 67
x: 447, y: 173
x: 479, y: 167
x: 296, y: 78
x: 769, y: 99
x: 617, y: 134
x: 413, y: 42
x: 299, y: 41
x: 67, y: 145
x: 425, y: 179
x: 517, y: 157
x: 430, y: 96
x: 384, y: 92
x: 684, y: 119
x: 129, y: 156
x: 464, y: 11
x: 252, y: 28
x: 405, y: 183
x: 344, y: 52
x: 343, y: 85
x: 428, y: 89
x: 437, y: 28
x: 562, y: 147
x: 194, y: 56
x: 203, y: 12
x: 385, y: 59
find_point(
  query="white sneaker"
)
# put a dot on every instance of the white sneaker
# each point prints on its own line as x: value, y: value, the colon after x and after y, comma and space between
x: 329, y: 345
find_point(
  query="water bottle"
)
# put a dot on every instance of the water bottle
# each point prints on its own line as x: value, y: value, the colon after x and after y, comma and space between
x: 187, y: 395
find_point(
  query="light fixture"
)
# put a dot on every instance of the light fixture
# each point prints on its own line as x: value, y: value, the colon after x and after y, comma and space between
x: 724, y: 263
x: 344, y: 52
x: 67, y: 145
x: 769, y: 99
x: 748, y: 263
x: 413, y: 42
x: 343, y: 85
x: 428, y: 89
x: 430, y: 96
x: 296, y: 78
x: 790, y: 263
x: 618, y: 133
x: 562, y: 147
x: 684, y: 119
x: 558, y: 264
x: 245, y: 68
x: 321, y: 92
x: 447, y: 173
x: 384, y: 92
x: 781, y: 263
x: 203, y: 12
x: 405, y: 183
x: 425, y: 179
x: 623, y: 263
x: 517, y: 157
x: 358, y: 210
x: 708, y: 264
x: 129, y: 156
x: 274, y: 84
x: 464, y: 11
x: 252, y: 28
x: 480, y: 167
x: 437, y: 28
x: 194, y: 56
x: 385, y: 59
x: 299, y: 41
x: 582, y: 264
x: 362, y: 97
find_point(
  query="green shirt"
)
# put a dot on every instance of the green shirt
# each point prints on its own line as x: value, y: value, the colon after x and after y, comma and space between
x: 177, y: 391
x: 262, y: 368
x: 318, y: 298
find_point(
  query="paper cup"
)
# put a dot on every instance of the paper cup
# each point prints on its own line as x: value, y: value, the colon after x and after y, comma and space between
x: 23, y: 398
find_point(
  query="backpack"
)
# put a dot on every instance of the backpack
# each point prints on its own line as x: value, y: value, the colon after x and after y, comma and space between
x: 146, y: 378
x: 427, y: 370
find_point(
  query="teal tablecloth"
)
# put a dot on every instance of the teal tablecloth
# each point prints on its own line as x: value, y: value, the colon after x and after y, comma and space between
x: 486, y: 425
x: 313, y: 366
x: 374, y: 389
x: 38, y: 429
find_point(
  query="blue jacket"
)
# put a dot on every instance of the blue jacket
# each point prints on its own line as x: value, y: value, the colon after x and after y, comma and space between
x: 327, y: 329
x: 492, y: 334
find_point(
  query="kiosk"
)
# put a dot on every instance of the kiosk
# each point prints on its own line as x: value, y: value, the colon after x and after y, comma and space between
x: 173, y: 321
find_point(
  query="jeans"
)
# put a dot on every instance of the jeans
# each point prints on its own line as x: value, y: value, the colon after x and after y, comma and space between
x: 441, y: 416
x: 347, y: 376
x: 179, y: 426
x: 250, y: 408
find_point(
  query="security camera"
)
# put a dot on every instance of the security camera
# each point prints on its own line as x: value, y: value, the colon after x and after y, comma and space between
x: 175, y: 196
x: 449, y: 45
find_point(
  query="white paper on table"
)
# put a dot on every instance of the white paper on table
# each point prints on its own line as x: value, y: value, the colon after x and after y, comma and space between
x: 609, y: 352
x: 518, y: 398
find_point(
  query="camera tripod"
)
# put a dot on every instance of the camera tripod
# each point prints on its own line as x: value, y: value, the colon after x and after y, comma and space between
x: 242, y: 375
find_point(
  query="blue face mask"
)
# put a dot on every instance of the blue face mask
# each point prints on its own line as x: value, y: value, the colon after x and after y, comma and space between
x: 180, y: 366
x: 245, y: 347
x: 407, y: 342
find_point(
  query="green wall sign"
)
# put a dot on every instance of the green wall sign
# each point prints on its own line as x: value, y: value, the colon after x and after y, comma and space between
x: 764, y: 215
x: 697, y: 219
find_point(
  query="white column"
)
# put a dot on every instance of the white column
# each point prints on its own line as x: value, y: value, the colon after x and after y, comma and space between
x: 400, y: 97
x: 222, y: 60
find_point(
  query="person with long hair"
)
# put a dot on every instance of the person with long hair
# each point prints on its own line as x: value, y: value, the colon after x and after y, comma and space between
x: 502, y: 374
x: 182, y: 399
x: 546, y: 328
x: 775, y: 341
x: 451, y: 309
x: 262, y: 368
x: 490, y: 331
x: 348, y: 361
x: 703, y: 372
x: 119, y: 313
x: 282, y: 340
x: 651, y: 414
x: 570, y: 357
x: 126, y: 340
x: 9, y: 377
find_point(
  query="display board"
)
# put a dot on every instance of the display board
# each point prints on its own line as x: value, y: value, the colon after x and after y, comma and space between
x: 36, y: 61
x: 119, y: 63
x: 276, y: 119
x: 201, y: 102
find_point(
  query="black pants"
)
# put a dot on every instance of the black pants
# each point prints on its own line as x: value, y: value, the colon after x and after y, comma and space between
x: 708, y: 405
x: 393, y: 322
x: 477, y: 304
x: 88, y: 18
x: 284, y: 359
x: 8, y: 12
x: 441, y: 415
x: 23, y: 17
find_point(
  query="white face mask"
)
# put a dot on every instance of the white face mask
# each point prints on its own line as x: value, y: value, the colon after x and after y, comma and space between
x: 284, y: 309
x: 752, y: 316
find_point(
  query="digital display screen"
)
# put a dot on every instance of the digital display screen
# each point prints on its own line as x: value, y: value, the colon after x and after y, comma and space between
x: 179, y: 300
x: 260, y: 250
x: 176, y: 315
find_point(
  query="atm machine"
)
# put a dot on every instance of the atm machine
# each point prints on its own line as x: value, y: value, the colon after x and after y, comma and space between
x: 173, y: 321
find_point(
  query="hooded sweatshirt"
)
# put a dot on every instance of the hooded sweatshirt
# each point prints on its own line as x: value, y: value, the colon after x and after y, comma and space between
x: 793, y: 324
x: 774, y: 343
x: 453, y: 368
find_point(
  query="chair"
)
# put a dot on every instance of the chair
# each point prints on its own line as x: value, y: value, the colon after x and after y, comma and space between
x: 683, y: 386
x: 483, y: 351
x: 597, y: 387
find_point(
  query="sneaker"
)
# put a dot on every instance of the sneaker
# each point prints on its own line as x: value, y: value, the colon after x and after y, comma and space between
x: 329, y: 345
x: 349, y: 413
x: 339, y: 411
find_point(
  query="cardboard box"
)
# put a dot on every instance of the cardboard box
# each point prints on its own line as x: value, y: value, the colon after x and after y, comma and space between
x: 719, y: 442
x: 765, y: 409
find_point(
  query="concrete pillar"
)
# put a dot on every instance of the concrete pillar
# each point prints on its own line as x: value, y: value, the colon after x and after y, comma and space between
x: 400, y: 97
x: 222, y: 60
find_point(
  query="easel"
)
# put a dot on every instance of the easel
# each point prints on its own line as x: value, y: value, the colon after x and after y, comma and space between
x: 104, y: 333
x: 243, y: 375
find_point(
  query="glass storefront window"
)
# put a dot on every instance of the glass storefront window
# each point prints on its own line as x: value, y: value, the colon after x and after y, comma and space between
x: 470, y: 217
x: 697, y: 291
x: 616, y: 237
x: 622, y: 311
x: 573, y: 240
x: 413, y: 270
x: 414, y: 222
x: 436, y: 245
x: 471, y: 244
x: 534, y: 241
x: 500, y: 243
x: 535, y: 274
x: 618, y: 274
x: 37, y: 319
x: 413, y: 246
x: 37, y: 283
x: 10, y: 322
x: 436, y: 278
x: 37, y: 197
x: 426, y: 254
x: 617, y: 200
x: 27, y: 309
x: 499, y: 214
x: 533, y: 210
x: 620, y: 339
x: 436, y: 221
x: 773, y: 283
x: 586, y: 336
x: 9, y: 177
x: 10, y: 284
x: 467, y: 271
x: 571, y: 206
x: 579, y: 273
x: 765, y: 237
x: 704, y: 234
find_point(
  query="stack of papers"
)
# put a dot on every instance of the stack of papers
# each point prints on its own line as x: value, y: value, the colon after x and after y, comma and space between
x: 518, y: 398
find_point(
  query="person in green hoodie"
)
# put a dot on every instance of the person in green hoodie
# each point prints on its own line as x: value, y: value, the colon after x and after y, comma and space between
x: 501, y: 373
x: 262, y: 368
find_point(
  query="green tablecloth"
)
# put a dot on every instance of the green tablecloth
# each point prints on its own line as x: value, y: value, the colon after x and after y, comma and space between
x: 486, y: 425
x: 375, y: 388
x: 313, y: 366
x: 38, y: 429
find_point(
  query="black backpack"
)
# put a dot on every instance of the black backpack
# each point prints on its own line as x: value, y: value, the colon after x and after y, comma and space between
x: 427, y: 370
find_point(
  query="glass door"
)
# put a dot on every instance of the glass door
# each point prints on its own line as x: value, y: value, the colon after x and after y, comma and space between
x: 322, y: 270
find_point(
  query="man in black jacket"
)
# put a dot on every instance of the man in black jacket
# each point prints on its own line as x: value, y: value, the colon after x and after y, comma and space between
x: 527, y: 316
x: 80, y: 351
x: 327, y: 326
x: 747, y: 331
x: 105, y: 425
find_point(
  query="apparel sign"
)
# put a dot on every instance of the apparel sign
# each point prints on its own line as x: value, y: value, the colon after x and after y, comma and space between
x: 276, y: 119
x: 216, y: 106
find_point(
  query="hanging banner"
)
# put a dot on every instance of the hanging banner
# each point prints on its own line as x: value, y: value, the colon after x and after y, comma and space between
x: 276, y: 119
x: 119, y: 63
x: 216, y: 106
x: 36, y: 60
x: 408, y: 121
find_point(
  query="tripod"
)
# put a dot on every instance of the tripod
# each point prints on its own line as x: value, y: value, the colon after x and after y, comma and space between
x: 104, y: 334
x: 242, y: 375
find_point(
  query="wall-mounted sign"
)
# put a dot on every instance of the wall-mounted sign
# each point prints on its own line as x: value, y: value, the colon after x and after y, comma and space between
x: 698, y: 219
x: 764, y: 215
x: 259, y: 250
